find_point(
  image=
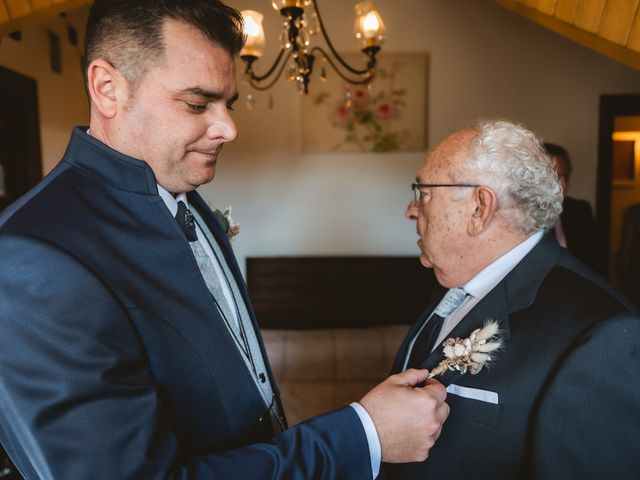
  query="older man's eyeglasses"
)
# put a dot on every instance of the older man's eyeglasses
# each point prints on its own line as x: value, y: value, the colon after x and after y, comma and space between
x: 419, y: 189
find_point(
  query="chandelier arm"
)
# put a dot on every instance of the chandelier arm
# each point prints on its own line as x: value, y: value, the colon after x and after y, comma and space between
x: 262, y: 88
x: 335, y: 53
x: 362, y: 81
x: 259, y: 78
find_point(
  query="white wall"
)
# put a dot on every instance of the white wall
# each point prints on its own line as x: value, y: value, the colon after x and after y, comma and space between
x: 484, y: 62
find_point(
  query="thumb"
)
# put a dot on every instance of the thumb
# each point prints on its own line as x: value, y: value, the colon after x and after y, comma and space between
x: 410, y: 377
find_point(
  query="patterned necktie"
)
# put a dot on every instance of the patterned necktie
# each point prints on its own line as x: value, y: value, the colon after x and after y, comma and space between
x: 185, y: 219
x: 431, y: 329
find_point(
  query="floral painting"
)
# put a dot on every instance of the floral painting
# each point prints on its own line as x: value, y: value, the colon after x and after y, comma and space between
x: 387, y: 115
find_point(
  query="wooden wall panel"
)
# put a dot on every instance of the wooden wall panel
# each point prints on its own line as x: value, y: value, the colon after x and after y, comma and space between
x: 633, y: 43
x: 19, y: 14
x: 40, y: 4
x: 589, y: 14
x: 566, y: 10
x: 531, y: 3
x: 617, y: 20
x: 4, y: 13
x: 547, y: 6
x: 18, y: 8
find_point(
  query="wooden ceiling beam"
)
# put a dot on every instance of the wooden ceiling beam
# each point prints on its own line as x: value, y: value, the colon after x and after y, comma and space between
x: 21, y: 14
x: 610, y: 27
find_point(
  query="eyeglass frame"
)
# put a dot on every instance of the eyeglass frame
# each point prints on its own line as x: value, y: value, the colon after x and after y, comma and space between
x: 415, y: 188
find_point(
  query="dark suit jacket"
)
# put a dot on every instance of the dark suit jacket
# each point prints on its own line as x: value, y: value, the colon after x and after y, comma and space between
x: 580, y: 230
x: 567, y: 381
x: 114, y: 361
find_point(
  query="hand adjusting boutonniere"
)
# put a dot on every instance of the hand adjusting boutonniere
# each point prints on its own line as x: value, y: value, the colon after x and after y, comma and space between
x: 469, y: 354
x: 230, y: 227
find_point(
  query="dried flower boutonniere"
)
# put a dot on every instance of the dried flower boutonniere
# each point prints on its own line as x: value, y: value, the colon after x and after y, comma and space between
x: 469, y: 354
x: 230, y: 227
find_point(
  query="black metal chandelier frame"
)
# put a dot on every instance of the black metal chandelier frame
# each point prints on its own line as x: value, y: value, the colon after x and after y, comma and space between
x: 305, y: 61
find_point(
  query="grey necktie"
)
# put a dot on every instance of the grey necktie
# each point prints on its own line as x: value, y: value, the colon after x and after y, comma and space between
x: 429, y: 333
x: 185, y: 219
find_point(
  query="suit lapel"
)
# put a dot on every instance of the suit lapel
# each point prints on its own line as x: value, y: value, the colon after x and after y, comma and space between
x: 436, y: 296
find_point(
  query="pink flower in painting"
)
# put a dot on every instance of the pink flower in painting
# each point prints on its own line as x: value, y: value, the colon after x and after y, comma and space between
x: 341, y: 115
x: 360, y: 98
x: 385, y: 111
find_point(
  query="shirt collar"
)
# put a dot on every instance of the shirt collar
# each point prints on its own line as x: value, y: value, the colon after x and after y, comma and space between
x: 491, y: 275
x: 172, y: 202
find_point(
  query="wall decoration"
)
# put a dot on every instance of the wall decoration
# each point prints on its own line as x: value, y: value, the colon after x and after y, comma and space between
x: 389, y: 114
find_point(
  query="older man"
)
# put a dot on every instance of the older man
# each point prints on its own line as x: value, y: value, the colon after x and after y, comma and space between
x: 561, y: 398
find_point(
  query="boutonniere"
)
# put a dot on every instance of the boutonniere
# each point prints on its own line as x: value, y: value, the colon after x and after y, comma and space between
x: 469, y: 354
x: 230, y: 227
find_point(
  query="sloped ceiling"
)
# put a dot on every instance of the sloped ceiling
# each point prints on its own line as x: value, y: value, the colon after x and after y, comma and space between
x: 610, y: 27
x: 20, y: 14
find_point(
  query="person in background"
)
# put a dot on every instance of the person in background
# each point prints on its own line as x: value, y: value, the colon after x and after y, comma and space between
x: 558, y: 399
x: 575, y: 229
x: 131, y: 349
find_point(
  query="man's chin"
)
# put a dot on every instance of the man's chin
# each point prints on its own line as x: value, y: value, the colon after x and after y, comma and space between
x: 206, y: 176
x: 424, y: 260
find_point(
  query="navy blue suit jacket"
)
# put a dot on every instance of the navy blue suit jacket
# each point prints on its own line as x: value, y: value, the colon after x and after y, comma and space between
x: 567, y: 381
x: 114, y: 361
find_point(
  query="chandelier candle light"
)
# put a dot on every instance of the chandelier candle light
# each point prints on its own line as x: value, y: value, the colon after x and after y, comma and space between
x: 303, y: 21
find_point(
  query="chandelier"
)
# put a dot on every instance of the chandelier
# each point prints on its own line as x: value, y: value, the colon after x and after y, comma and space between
x: 297, y: 55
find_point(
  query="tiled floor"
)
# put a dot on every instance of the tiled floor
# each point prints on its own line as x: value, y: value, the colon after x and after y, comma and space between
x: 320, y: 370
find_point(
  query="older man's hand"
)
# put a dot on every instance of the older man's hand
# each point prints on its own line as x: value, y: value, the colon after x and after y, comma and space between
x: 408, y: 419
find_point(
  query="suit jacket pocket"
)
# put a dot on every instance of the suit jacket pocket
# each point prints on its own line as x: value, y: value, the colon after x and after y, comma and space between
x: 475, y: 411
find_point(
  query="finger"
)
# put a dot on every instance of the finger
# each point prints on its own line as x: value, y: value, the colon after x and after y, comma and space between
x: 443, y: 412
x: 410, y: 377
x: 435, y: 389
x: 436, y: 435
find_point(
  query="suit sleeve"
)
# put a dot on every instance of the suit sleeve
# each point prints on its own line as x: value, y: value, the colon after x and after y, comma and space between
x: 587, y: 423
x: 77, y: 399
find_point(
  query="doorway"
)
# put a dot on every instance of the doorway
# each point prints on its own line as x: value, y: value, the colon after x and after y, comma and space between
x: 618, y: 190
x: 20, y: 161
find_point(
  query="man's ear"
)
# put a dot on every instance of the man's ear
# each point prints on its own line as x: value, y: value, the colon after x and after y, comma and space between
x: 486, y: 204
x: 106, y: 87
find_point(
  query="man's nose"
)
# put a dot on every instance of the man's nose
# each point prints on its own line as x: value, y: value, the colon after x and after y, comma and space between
x: 411, y: 212
x: 222, y: 126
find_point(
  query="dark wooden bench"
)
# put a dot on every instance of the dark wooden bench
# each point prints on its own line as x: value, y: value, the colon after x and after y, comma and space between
x: 337, y: 292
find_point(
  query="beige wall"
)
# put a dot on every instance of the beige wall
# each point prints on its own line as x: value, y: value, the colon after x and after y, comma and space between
x: 484, y: 62
x: 61, y: 100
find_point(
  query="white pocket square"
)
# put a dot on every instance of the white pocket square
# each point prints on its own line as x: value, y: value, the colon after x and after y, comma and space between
x: 473, y: 393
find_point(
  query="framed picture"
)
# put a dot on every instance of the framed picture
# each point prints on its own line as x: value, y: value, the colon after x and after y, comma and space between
x: 389, y: 114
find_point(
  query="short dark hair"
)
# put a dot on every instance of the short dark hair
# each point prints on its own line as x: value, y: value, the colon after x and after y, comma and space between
x: 555, y: 150
x: 128, y: 33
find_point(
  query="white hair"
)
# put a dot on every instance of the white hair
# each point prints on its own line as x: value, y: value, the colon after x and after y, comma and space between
x: 510, y: 160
